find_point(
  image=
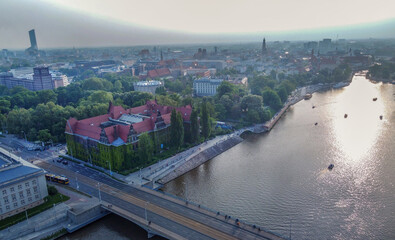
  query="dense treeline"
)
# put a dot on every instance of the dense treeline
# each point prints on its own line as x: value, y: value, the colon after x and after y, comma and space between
x: 42, y: 115
x: 382, y: 72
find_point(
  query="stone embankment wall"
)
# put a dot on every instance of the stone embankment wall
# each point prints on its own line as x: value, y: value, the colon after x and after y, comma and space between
x: 201, y: 158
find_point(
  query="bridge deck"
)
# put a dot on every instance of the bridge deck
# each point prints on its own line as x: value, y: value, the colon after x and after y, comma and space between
x: 171, y: 218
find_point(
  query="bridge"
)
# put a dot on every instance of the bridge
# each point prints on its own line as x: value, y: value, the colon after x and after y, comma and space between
x: 157, y: 212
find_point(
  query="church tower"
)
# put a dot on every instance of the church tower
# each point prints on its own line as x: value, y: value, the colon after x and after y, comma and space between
x: 264, y: 49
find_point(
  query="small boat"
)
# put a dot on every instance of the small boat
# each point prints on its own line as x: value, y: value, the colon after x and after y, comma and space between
x: 330, y: 166
x: 307, y: 96
x: 316, y: 123
x: 313, y: 106
x: 381, y: 117
x: 375, y: 99
x: 345, y: 115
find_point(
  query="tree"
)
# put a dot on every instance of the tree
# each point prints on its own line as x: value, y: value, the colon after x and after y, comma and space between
x: 176, y: 129
x: 45, y: 96
x: 225, y: 88
x: 100, y: 97
x: 206, y: 126
x: 251, y: 102
x: 271, y: 99
x: 194, y: 127
x: 146, y: 148
x: 44, y: 135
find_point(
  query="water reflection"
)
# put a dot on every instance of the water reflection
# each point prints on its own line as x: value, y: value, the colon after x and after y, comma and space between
x: 273, y: 179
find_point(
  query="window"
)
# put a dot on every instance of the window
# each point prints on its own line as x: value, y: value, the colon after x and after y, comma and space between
x: 36, y: 196
x: 21, y: 194
x: 19, y: 187
x: 13, y: 197
x: 29, y: 199
x: 4, y: 192
x: 7, y: 207
x: 12, y: 189
x: 35, y: 189
x: 6, y: 199
x: 28, y: 192
x: 15, y: 204
x: 1, y: 210
x: 27, y: 184
x: 23, y: 202
x: 34, y: 182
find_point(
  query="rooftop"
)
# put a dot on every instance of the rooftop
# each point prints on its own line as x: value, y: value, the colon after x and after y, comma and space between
x: 15, y: 171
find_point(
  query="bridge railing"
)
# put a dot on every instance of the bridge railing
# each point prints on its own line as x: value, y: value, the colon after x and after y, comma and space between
x: 218, y: 213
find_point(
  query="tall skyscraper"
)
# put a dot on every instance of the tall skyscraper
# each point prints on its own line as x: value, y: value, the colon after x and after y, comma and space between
x: 33, y: 41
x: 33, y: 49
x: 42, y: 79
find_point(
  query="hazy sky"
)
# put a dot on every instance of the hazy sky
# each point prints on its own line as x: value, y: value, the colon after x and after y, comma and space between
x: 214, y: 16
x: 79, y: 23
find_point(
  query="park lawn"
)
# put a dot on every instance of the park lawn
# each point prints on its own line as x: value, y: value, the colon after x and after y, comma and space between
x: 49, y: 202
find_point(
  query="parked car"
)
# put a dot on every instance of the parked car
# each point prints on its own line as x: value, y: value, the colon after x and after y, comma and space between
x: 65, y: 162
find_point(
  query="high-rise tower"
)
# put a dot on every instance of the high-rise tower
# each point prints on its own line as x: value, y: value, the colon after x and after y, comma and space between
x: 42, y: 79
x: 33, y: 41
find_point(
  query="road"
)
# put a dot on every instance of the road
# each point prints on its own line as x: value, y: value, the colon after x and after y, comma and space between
x: 186, y: 220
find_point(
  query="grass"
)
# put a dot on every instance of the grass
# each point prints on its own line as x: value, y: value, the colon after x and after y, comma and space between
x: 75, y: 190
x: 49, y: 202
x: 55, y: 235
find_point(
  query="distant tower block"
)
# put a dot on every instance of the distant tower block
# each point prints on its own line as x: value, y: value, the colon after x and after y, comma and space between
x: 264, y: 49
x: 161, y: 55
x: 33, y: 41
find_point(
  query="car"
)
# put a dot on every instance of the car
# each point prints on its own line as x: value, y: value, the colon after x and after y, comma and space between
x: 59, y: 160
x: 65, y: 162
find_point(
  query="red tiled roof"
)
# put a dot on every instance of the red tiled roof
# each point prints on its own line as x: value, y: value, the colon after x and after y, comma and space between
x: 90, y: 127
x: 161, y: 72
x: 144, y: 126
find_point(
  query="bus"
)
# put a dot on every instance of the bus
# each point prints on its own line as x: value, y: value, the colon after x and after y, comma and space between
x: 58, y: 179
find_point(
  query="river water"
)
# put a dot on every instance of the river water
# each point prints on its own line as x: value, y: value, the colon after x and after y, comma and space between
x: 280, y: 180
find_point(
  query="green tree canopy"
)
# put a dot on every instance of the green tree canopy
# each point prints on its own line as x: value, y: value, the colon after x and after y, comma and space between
x: 146, y: 148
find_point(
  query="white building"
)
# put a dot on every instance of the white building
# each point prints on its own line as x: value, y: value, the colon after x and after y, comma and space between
x: 206, y: 86
x: 21, y: 187
x: 147, y: 86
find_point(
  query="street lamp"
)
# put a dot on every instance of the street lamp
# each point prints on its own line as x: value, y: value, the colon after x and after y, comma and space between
x: 186, y: 191
x: 98, y: 184
x: 109, y: 164
x: 145, y: 211
x: 25, y: 135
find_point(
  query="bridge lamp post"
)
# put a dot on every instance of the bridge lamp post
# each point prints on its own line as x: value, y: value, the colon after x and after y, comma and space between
x: 186, y: 190
x: 145, y: 211
x: 98, y: 184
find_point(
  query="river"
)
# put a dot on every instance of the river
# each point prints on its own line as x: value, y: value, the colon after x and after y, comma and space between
x: 280, y: 180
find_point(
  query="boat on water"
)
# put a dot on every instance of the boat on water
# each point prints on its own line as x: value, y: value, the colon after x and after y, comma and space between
x: 307, y: 96
x: 345, y: 115
x: 381, y: 117
x: 330, y: 167
x: 316, y: 123
x: 375, y: 99
x: 341, y: 84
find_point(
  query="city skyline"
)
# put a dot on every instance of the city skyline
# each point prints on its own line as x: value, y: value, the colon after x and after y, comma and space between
x: 65, y: 24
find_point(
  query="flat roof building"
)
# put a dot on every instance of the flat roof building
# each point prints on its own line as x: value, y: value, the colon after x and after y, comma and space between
x: 206, y: 86
x: 21, y: 186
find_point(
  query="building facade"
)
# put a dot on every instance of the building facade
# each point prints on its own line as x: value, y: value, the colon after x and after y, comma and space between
x: 147, y: 86
x: 42, y: 80
x: 21, y: 187
x: 206, y: 86
x: 112, y: 139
